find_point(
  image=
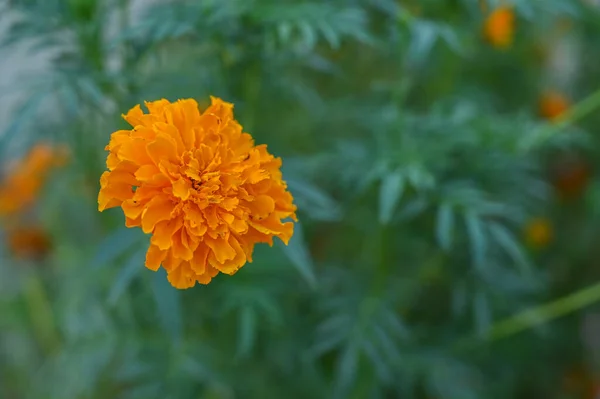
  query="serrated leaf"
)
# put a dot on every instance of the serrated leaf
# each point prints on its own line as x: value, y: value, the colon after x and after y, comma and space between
x: 346, y: 369
x: 445, y: 226
x: 392, y: 186
x: 298, y: 254
x: 511, y: 246
x: 25, y: 114
x: 317, y: 204
x: 168, y: 305
x: 424, y: 36
x: 330, y: 35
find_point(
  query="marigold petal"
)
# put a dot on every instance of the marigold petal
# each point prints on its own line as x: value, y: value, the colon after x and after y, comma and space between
x: 221, y: 249
x: 198, y: 262
x: 132, y: 209
x: 207, y: 276
x: 162, y: 148
x: 159, y: 208
x: 133, y: 117
x: 146, y: 172
x: 230, y: 266
x: 182, y: 189
x: 182, y: 277
x: 154, y: 257
x: 262, y: 206
x: 181, y: 248
x: 134, y: 151
x: 163, y: 232
x: 272, y: 226
x: 170, y: 263
x: 157, y: 107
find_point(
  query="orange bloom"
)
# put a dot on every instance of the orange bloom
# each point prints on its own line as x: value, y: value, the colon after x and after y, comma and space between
x: 570, y: 178
x: 552, y: 105
x: 28, y: 242
x: 199, y: 185
x: 27, y: 176
x: 499, y: 27
x: 538, y: 232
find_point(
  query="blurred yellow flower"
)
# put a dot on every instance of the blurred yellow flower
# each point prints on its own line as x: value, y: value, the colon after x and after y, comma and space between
x: 27, y: 242
x: 499, y: 27
x: 199, y: 185
x: 538, y: 232
x: 552, y: 105
x: 26, y: 177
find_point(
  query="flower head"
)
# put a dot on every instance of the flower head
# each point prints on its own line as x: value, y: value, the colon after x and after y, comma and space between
x: 552, y: 105
x: 538, y: 232
x: 199, y: 185
x: 570, y: 177
x: 26, y: 177
x: 27, y: 242
x: 499, y: 27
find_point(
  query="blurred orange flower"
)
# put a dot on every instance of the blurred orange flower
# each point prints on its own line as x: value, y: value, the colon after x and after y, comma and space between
x: 570, y: 178
x: 499, y: 27
x: 199, y: 185
x: 580, y: 382
x: 27, y: 242
x: 26, y: 177
x: 552, y: 105
x: 538, y: 232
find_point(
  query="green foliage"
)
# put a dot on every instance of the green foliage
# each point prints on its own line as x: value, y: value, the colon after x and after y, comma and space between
x: 415, y: 157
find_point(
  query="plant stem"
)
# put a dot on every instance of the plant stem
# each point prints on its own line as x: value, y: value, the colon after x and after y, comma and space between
x: 536, y: 316
x: 570, y: 116
x: 41, y: 314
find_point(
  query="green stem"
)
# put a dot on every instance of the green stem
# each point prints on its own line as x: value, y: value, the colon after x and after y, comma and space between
x: 570, y: 116
x: 536, y: 316
x: 41, y: 314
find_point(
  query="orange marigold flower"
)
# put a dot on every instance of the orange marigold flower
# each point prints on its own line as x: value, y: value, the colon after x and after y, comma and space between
x: 571, y: 177
x: 28, y: 242
x: 27, y: 176
x: 552, y: 105
x: 499, y: 27
x: 538, y: 232
x: 199, y: 185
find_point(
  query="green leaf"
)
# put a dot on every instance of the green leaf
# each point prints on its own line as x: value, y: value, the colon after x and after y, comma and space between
x: 168, y: 305
x: 392, y: 186
x: 126, y: 275
x: 347, y: 366
x: 481, y: 310
x: 247, y: 331
x: 310, y: 199
x: 24, y: 115
x: 508, y: 242
x: 298, y: 254
x: 477, y: 239
x: 116, y: 245
x: 445, y: 226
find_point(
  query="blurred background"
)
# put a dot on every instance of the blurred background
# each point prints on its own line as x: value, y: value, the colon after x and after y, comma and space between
x: 443, y: 156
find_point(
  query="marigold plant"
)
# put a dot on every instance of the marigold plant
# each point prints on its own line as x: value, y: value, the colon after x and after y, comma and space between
x: 27, y: 242
x: 199, y: 185
x: 26, y: 177
x: 499, y: 27
x: 538, y: 232
x: 552, y: 105
x: 571, y: 177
